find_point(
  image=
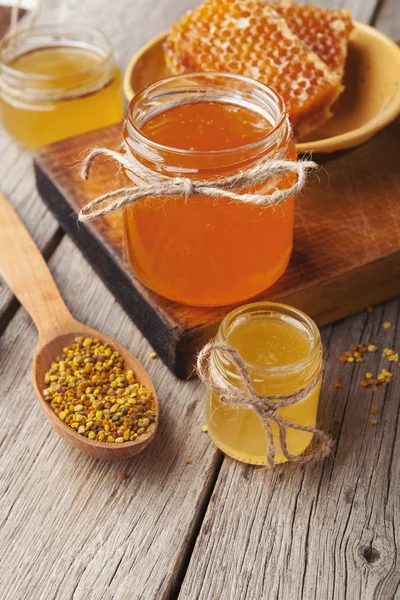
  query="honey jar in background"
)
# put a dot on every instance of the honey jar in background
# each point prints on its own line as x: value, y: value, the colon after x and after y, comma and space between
x: 282, y: 350
x: 58, y: 81
x: 201, y: 250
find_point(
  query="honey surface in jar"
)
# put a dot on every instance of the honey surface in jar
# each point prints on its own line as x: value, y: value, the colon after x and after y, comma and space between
x: 62, y: 99
x: 200, y: 250
x: 271, y: 346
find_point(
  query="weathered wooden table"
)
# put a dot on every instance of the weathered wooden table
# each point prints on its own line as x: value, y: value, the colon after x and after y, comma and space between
x: 214, y: 529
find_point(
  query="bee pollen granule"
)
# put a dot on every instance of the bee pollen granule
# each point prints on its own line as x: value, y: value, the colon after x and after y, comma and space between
x: 89, y: 390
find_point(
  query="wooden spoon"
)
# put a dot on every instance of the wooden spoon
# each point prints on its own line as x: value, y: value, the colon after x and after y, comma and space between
x: 28, y: 276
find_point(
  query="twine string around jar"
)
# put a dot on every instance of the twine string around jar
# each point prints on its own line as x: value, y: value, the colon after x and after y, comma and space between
x: 157, y: 184
x: 266, y: 407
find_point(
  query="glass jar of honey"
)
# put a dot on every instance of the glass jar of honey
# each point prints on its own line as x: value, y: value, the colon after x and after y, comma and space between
x: 282, y: 350
x: 200, y: 250
x: 58, y: 81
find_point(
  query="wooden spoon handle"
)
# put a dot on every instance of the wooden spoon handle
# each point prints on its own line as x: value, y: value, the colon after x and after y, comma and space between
x: 27, y: 274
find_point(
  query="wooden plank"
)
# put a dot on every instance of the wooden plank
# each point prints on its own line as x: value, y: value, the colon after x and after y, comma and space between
x: 5, y: 19
x: 128, y: 24
x: 328, y: 531
x: 110, y: 539
x: 388, y: 18
x: 17, y: 183
x: 71, y: 527
x: 323, y: 531
x: 142, y: 20
x: 106, y: 540
x: 361, y: 10
x: 334, y: 271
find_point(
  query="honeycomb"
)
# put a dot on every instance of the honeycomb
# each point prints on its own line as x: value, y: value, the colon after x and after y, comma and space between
x: 248, y: 37
x: 324, y: 30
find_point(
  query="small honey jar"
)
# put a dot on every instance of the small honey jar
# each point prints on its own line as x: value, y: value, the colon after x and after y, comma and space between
x: 58, y: 81
x: 201, y: 250
x: 282, y: 352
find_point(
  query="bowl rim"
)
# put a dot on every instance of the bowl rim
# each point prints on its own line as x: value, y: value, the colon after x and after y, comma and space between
x: 341, y: 141
x: 363, y: 133
x: 127, y: 81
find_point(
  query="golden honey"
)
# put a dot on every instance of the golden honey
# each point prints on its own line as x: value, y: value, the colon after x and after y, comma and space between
x: 248, y: 37
x: 282, y: 350
x: 55, y: 87
x: 202, y: 251
x: 324, y: 30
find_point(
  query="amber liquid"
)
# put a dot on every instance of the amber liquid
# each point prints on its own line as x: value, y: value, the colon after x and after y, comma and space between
x: 80, y: 104
x: 266, y: 342
x: 203, y: 251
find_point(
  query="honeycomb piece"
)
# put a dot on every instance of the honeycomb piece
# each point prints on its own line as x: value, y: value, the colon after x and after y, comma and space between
x: 324, y: 30
x: 248, y: 37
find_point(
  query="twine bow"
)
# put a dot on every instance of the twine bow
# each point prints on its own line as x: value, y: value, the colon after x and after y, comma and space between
x: 156, y: 184
x: 266, y: 407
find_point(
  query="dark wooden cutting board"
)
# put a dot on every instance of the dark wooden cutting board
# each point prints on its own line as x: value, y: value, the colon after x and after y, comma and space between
x: 346, y: 244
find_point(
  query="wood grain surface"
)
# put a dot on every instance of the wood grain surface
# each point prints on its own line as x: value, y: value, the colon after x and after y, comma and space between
x: 330, y: 531
x: 28, y: 276
x: 72, y: 530
x: 334, y: 271
x: 17, y: 183
x: 388, y: 18
x: 5, y: 19
x: 326, y: 531
x: 82, y: 532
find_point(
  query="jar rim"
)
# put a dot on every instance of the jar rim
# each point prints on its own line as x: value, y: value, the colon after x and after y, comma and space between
x: 55, y: 30
x: 279, y: 309
x: 135, y: 131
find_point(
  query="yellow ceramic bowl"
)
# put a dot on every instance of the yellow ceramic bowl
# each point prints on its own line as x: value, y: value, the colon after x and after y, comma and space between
x: 370, y: 101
